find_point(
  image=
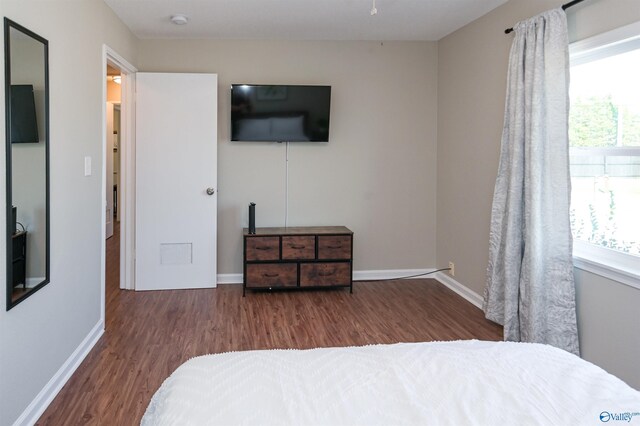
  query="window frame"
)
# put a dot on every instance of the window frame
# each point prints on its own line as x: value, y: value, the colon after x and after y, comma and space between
x: 615, y: 265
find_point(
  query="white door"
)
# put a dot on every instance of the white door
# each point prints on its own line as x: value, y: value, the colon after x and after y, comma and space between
x: 109, y: 177
x: 176, y: 178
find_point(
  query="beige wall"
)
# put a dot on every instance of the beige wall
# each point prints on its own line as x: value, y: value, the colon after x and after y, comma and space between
x: 608, y: 325
x: 472, y: 72
x: 376, y: 175
x: 40, y: 334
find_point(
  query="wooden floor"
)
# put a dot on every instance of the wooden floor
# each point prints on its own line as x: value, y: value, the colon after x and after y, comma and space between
x: 149, y: 334
x: 18, y: 292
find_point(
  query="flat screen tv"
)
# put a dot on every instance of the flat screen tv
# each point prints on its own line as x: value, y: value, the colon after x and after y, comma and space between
x: 279, y: 113
x: 24, y: 125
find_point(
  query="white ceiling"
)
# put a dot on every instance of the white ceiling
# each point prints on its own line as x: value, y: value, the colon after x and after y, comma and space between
x: 301, y: 19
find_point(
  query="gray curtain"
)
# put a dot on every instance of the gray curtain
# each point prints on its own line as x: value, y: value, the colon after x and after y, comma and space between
x: 530, y: 288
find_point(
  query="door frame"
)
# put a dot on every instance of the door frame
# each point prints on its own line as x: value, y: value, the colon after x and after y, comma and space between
x: 127, y: 171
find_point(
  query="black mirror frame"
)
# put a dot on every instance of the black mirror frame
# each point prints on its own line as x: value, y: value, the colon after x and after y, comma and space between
x: 8, y: 24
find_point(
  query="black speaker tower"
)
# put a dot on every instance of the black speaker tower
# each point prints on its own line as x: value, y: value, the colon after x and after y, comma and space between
x: 14, y: 219
x: 252, y: 218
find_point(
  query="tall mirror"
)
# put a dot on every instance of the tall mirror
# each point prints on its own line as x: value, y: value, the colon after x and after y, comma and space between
x: 27, y: 145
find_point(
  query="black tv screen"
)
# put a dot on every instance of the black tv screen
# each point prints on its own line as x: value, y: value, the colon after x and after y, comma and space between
x: 279, y: 113
x: 24, y: 125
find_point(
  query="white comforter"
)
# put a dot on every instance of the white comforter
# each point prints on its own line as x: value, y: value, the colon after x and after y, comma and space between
x: 441, y: 383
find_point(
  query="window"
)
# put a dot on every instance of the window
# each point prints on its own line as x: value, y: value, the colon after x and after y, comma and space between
x: 604, y: 138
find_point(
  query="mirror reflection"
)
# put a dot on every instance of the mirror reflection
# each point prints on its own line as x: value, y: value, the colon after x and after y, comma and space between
x: 26, y: 88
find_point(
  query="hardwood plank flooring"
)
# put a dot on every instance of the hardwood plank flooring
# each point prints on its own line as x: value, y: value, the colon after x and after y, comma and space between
x: 149, y: 334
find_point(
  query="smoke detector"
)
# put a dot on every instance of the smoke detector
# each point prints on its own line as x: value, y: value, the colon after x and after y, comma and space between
x: 179, y: 19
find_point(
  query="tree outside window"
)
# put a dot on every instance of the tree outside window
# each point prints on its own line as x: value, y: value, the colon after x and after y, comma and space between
x: 604, y: 133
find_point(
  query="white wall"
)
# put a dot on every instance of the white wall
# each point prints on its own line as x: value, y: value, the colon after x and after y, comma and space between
x: 377, y: 173
x: 39, y: 335
x: 472, y: 69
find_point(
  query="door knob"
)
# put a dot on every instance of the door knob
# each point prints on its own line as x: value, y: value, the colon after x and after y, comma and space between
x: 211, y: 191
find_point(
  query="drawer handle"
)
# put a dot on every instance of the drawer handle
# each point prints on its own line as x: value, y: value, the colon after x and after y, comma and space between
x: 263, y: 248
x: 325, y: 274
x: 335, y: 247
x: 270, y: 275
x: 293, y: 246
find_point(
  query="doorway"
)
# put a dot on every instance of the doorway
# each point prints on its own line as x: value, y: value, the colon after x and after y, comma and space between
x: 111, y: 182
x: 118, y: 184
x: 114, y: 96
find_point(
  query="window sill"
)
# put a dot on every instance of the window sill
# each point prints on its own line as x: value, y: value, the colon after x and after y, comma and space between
x: 621, y: 267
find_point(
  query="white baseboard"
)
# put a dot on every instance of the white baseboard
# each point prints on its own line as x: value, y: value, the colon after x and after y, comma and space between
x: 463, y: 291
x: 40, y: 403
x: 229, y: 278
x: 390, y: 274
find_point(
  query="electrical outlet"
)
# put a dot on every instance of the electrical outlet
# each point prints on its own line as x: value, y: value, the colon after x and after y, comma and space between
x: 452, y: 269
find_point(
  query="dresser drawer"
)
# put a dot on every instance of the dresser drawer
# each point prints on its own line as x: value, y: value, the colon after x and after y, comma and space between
x: 262, y: 248
x: 299, y: 247
x: 272, y: 275
x: 334, y: 247
x: 325, y: 274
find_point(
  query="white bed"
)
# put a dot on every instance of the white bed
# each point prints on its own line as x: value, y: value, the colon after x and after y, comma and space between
x: 443, y: 383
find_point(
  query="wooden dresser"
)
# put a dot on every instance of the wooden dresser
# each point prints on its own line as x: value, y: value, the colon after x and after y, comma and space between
x: 298, y: 257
